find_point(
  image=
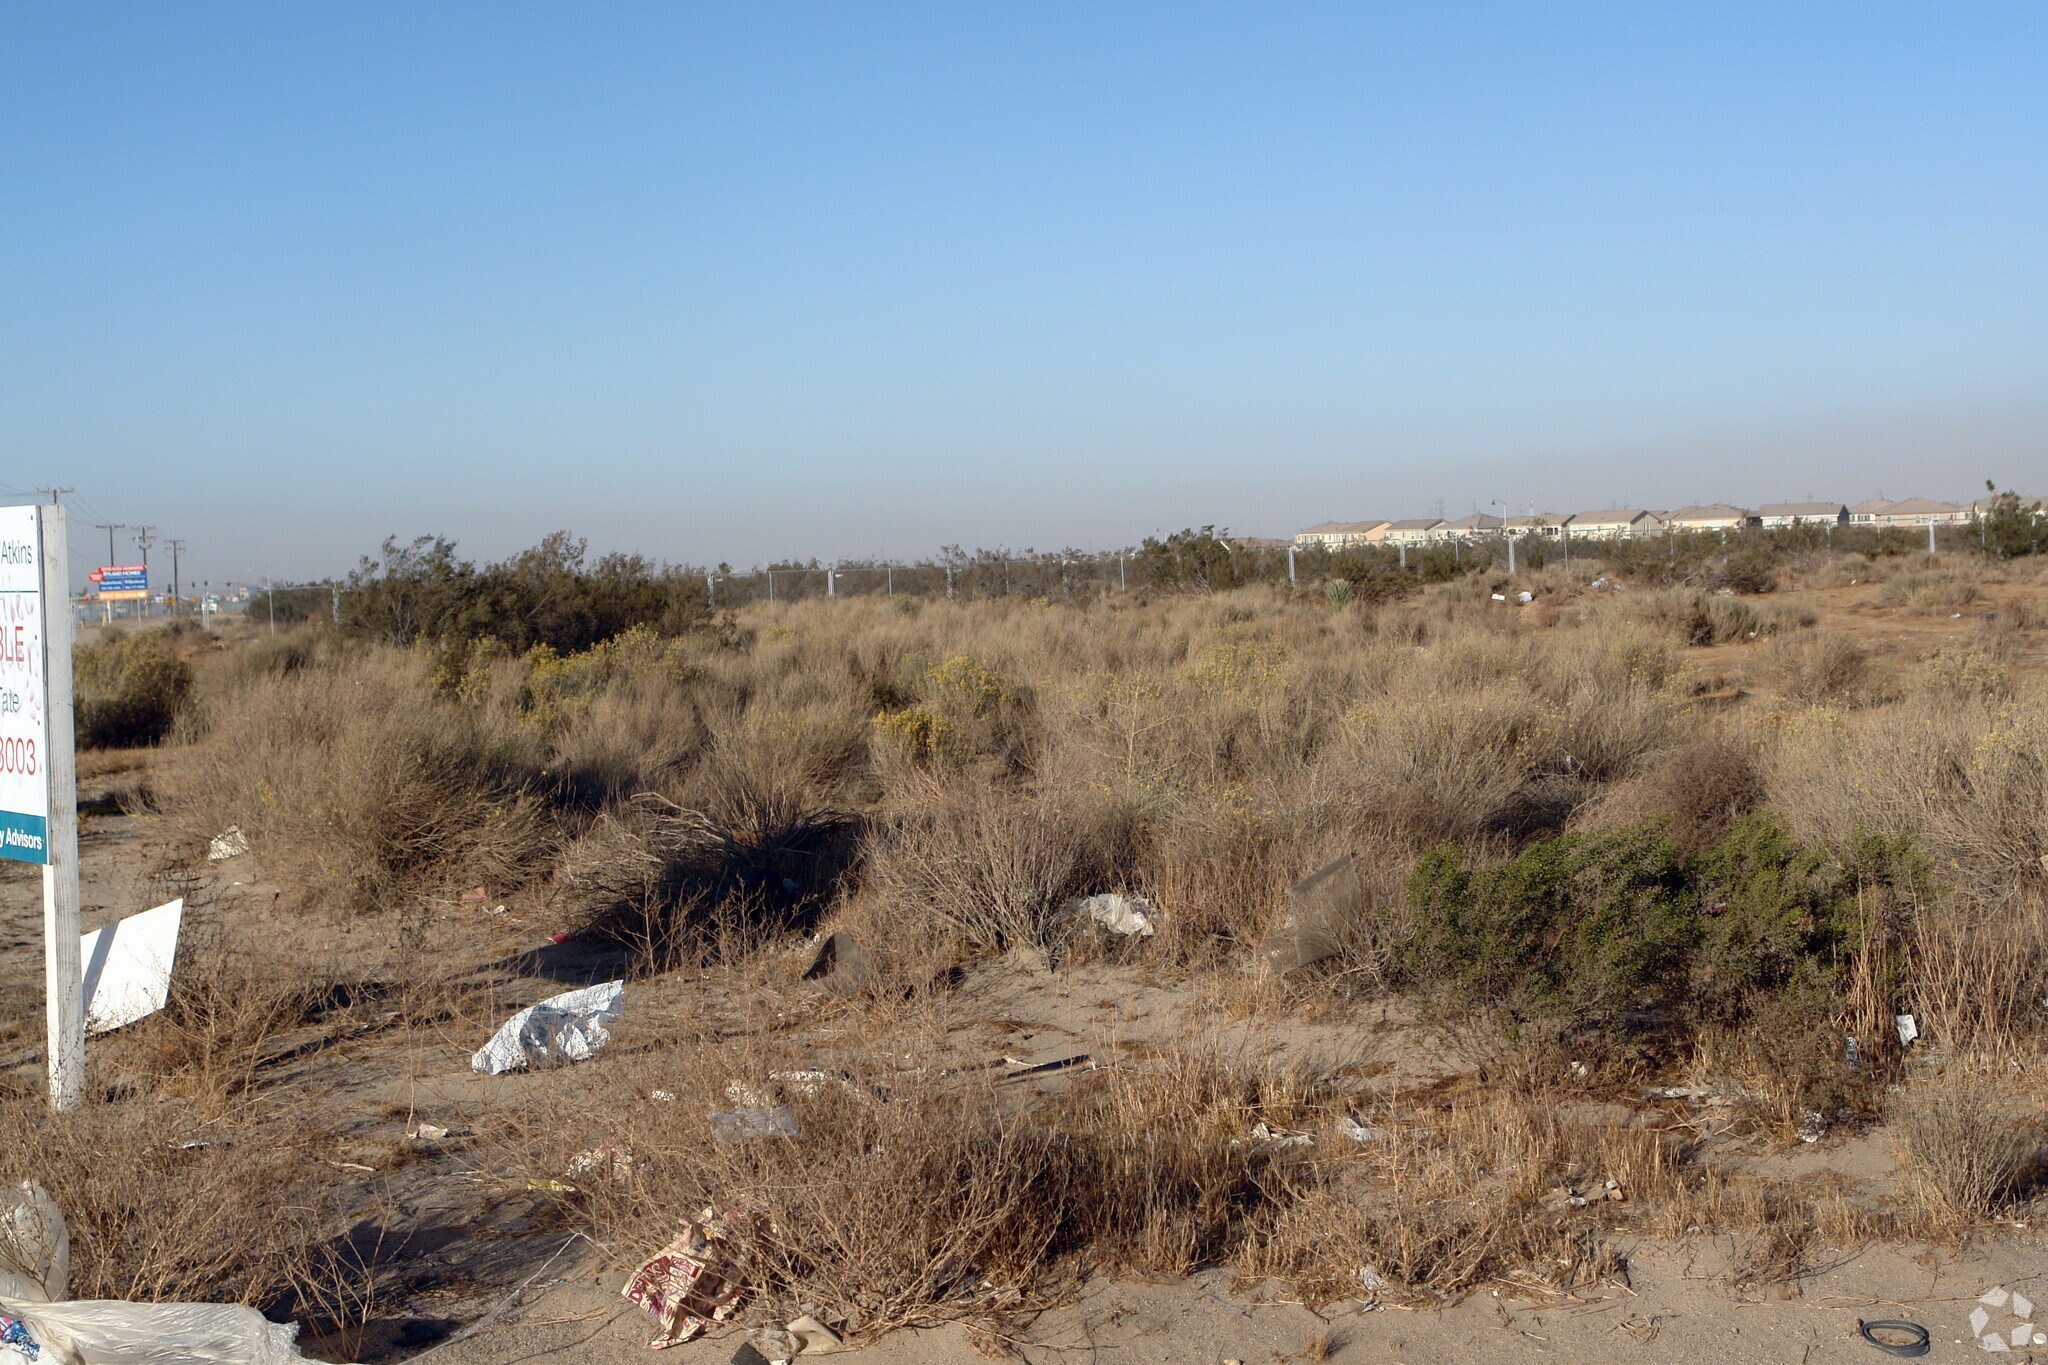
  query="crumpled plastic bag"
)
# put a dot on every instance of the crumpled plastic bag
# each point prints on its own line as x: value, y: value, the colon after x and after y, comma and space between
x: 35, y: 1274
x: 561, y: 1029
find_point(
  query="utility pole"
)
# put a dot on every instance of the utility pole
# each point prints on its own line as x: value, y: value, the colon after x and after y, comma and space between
x: 710, y: 591
x: 109, y: 528
x: 891, y: 570
x: 143, y: 539
x: 53, y: 492
x: 1290, y: 566
x: 831, y: 587
x: 176, y: 583
x: 1123, y: 578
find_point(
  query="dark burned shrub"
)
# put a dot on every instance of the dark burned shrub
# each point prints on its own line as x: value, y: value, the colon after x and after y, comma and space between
x: 128, y: 691
x: 1623, y: 921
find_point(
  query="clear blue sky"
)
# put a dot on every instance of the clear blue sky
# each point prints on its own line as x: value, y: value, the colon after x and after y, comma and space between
x: 735, y: 282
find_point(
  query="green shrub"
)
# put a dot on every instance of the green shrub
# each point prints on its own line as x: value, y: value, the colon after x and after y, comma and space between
x: 127, y: 691
x: 1623, y: 921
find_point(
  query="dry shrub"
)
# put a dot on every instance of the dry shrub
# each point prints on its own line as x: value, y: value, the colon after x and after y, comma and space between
x: 237, y: 1218
x: 357, y: 782
x: 679, y: 885
x: 129, y: 691
x: 999, y: 867
x: 916, y: 1192
x: 1967, y: 1143
x: 1968, y: 780
x: 1818, y: 668
x: 1698, y: 791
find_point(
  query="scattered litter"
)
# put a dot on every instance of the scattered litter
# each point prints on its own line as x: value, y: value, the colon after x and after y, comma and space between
x: 746, y: 1097
x: 1361, y: 1132
x: 696, y: 1280
x: 814, y: 1337
x: 1127, y: 916
x: 1369, y: 1280
x: 1915, y: 1344
x: 476, y: 895
x: 42, y: 1321
x: 1600, y: 582
x: 1560, y: 1197
x: 551, y: 1186
x: 1021, y: 1069
x: 841, y: 967
x: 192, y: 1144
x: 807, y: 1082
x: 1500, y: 597
x: 662, y: 1096
x: 776, y: 1345
x: 1278, y: 1139
x: 563, y: 1028
x: 560, y: 936
x: 1850, y: 1051
x: 127, y: 966
x: 426, y: 1132
x: 1525, y: 598
x: 1813, y: 1126
x: 356, y: 1166
x: 229, y: 843
x: 1908, y: 1028
x: 496, y: 910
x: 1613, y: 1192
x: 1580, y: 1071
x: 610, y: 1159
x: 759, y: 1121
x: 1322, y: 909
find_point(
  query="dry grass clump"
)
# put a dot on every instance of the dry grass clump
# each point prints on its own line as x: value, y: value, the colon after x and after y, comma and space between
x: 1970, y: 1135
x: 1819, y: 668
x: 356, y: 781
x: 1698, y: 790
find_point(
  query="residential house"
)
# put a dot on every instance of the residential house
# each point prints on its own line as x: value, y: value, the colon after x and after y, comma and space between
x: 1337, y: 535
x: 1612, y: 523
x: 1465, y: 528
x: 1865, y: 513
x: 1982, y: 506
x: 1544, y: 525
x: 1710, y: 516
x: 1922, y: 512
x: 1414, y: 531
x: 1778, y: 516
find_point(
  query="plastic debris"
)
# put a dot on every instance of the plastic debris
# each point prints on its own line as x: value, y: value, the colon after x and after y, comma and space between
x: 841, y: 967
x: 1361, y: 1132
x: 814, y: 1337
x: 776, y: 1345
x: 758, y: 1121
x: 662, y: 1096
x: 1127, y: 916
x: 1322, y: 908
x: 1500, y: 597
x: 43, y: 1322
x: 1852, y: 1053
x: 229, y: 843
x: 1278, y: 1139
x: 426, y: 1132
x: 551, y: 1186
x: 608, y: 1160
x: 1525, y: 598
x: 696, y: 1280
x: 127, y: 966
x: 1907, y: 1027
x: 563, y: 1028
x: 1813, y: 1126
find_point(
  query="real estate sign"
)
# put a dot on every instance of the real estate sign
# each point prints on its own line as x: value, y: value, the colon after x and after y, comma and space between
x: 24, y: 691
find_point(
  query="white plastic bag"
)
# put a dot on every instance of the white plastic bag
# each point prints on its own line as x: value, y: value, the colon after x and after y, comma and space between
x: 563, y: 1028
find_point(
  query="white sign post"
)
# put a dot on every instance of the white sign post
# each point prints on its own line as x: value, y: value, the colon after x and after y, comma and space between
x: 38, y: 769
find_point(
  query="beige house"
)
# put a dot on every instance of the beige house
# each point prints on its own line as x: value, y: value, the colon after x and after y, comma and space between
x: 1922, y: 512
x: 1865, y: 513
x: 1547, y: 525
x: 1709, y: 516
x: 1613, y: 523
x: 1464, y: 528
x: 1414, y: 531
x: 1337, y: 535
x: 1778, y: 516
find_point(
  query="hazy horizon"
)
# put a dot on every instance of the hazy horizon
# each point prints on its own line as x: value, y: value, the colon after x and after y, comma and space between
x: 717, y: 283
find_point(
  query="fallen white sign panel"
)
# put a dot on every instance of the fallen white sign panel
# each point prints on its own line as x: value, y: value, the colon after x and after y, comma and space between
x: 128, y: 966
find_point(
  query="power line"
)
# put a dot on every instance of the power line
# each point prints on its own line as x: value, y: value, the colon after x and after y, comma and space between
x: 53, y: 492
